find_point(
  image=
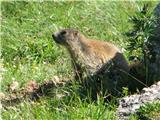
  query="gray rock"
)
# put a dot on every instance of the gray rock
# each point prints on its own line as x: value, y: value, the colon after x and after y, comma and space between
x: 129, y: 105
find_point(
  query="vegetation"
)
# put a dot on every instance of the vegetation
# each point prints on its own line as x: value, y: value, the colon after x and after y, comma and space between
x: 143, y: 25
x: 140, y: 42
x: 150, y: 111
x: 29, y: 53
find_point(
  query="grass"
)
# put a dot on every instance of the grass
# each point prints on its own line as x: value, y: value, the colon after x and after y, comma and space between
x: 150, y: 111
x: 29, y: 53
x: 44, y: 111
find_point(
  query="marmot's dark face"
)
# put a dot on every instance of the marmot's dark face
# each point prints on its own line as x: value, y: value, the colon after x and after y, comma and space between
x: 66, y: 36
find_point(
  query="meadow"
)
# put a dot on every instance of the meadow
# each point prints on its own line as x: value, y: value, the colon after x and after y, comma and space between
x: 28, y: 52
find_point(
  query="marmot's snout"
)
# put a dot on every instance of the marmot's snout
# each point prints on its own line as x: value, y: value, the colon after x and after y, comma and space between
x: 53, y: 36
x: 59, y: 36
x: 56, y: 37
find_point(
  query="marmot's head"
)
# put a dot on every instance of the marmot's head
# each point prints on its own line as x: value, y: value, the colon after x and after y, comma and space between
x: 67, y: 37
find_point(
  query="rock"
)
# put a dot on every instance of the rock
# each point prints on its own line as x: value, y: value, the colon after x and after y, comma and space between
x: 31, y: 86
x: 14, y: 86
x: 130, y: 104
x: 2, y: 95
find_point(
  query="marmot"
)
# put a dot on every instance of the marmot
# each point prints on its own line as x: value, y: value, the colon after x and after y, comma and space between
x: 94, y: 57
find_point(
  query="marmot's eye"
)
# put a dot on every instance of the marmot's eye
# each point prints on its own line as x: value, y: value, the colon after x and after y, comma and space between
x: 63, y: 32
x: 76, y: 33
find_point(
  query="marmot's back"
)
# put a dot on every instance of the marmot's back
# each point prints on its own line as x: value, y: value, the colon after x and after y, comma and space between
x: 106, y: 52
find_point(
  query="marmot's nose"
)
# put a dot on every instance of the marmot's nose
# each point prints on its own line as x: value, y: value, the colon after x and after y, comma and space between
x: 54, y: 36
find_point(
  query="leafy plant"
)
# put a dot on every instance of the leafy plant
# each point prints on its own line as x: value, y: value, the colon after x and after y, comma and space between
x: 139, y: 42
x: 143, y: 25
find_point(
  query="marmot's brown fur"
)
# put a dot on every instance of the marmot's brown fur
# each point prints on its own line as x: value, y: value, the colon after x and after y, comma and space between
x: 94, y: 57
